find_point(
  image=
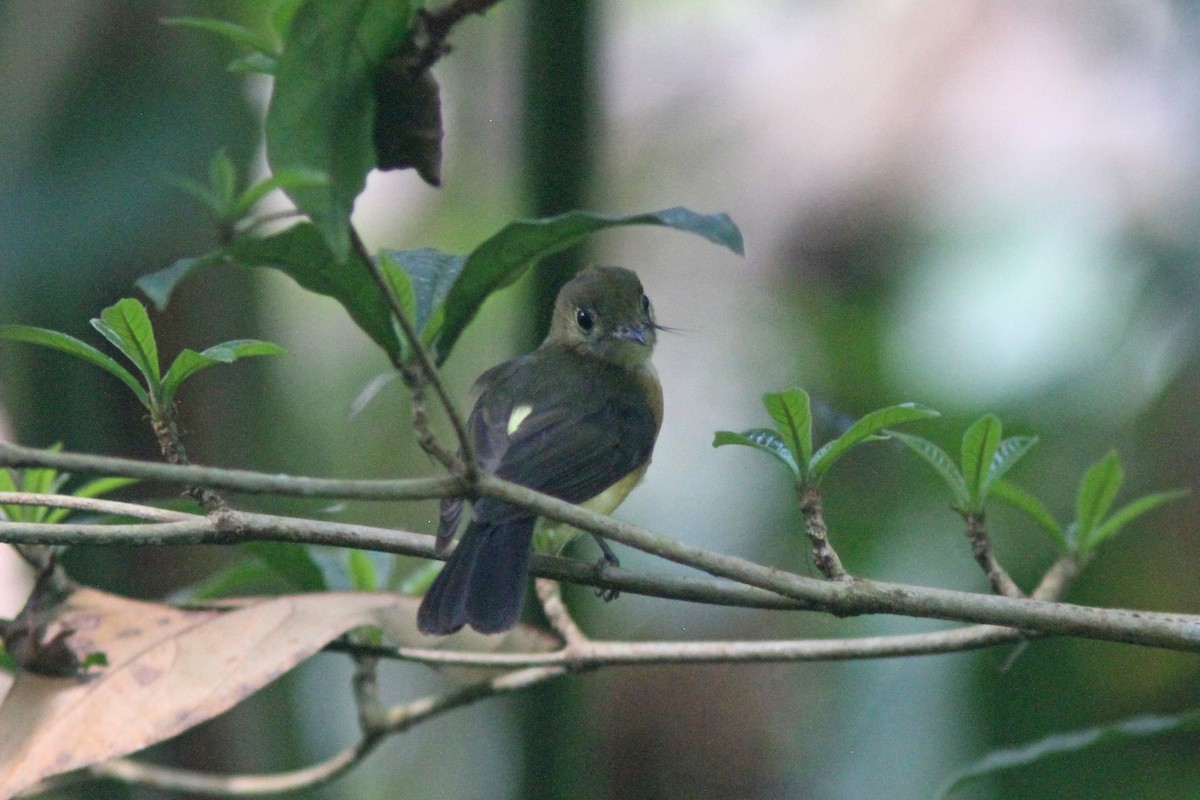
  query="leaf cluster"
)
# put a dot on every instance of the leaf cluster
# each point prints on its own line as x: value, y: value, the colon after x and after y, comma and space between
x: 790, y: 442
x: 127, y: 327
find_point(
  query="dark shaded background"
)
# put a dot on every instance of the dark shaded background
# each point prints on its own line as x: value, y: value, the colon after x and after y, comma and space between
x: 979, y: 206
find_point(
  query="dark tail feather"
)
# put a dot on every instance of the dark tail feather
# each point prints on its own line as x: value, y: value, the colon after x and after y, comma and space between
x: 483, y: 582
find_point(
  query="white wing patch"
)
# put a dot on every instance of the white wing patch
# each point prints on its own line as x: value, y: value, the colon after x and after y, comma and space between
x: 517, y: 417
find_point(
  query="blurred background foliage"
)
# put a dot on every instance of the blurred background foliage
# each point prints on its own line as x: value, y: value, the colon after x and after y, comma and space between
x: 979, y: 206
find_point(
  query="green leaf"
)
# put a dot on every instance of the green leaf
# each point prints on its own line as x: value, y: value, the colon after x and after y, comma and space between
x: 189, y: 362
x: 222, y: 176
x: 1097, y: 491
x: 941, y: 462
x: 287, y: 180
x: 979, y: 445
x: 1008, y: 453
x: 1030, y: 506
x: 362, y: 571
x: 1128, y: 513
x: 69, y: 344
x: 501, y: 259
x: 763, y: 439
x: 1080, y: 741
x: 322, y: 109
x: 238, y: 34
x: 293, y: 562
x: 201, y: 193
x: 254, y: 63
x: 102, y: 486
x: 791, y: 411
x: 866, y: 429
x: 401, y: 284
x: 157, y: 286
x: 300, y: 253
x: 431, y: 273
x: 127, y: 326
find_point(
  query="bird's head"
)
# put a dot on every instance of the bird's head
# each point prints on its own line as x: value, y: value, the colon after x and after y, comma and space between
x: 604, y: 312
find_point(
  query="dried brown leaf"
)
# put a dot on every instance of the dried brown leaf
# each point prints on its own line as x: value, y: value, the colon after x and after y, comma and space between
x: 168, y: 670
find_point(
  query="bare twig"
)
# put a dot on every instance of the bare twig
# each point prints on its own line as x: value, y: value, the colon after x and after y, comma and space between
x: 424, y: 373
x: 394, y: 720
x: 549, y: 592
x: 95, y: 505
x: 985, y: 556
x: 825, y: 557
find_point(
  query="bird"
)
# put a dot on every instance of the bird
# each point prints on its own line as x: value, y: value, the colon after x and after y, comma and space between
x: 576, y: 419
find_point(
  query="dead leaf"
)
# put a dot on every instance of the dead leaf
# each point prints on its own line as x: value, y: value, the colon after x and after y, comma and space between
x: 168, y: 670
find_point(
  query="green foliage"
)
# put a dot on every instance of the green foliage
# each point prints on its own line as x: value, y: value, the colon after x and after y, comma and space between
x: 1077, y: 742
x: 43, y: 480
x: 791, y: 442
x: 1093, y: 524
x: 127, y: 327
x: 227, y: 204
x: 322, y: 108
x: 264, y: 50
x: 985, y: 458
x: 442, y: 291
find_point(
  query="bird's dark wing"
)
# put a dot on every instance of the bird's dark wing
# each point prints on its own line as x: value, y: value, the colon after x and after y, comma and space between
x: 488, y: 428
x: 589, y: 424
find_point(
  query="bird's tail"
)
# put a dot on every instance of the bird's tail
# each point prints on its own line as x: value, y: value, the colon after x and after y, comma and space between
x: 483, y: 582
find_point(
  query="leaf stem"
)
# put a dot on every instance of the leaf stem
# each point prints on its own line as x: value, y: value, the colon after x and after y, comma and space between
x: 985, y: 556
x: 825, y: 557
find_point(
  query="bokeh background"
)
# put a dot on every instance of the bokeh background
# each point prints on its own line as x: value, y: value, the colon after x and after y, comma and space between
x: 981, y: 206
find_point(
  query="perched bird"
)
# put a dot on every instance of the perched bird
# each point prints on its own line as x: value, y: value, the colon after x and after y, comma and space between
x: 577, y: 419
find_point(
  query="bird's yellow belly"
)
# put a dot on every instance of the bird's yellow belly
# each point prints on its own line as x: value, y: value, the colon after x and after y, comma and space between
x: 550, y: 536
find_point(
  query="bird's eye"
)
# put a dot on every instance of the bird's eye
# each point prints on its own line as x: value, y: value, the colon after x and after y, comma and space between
x: 585, y: 320
x: 645, y: 304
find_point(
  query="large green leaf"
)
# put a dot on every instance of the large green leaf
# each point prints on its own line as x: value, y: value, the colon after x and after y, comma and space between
x: 979, y: 445
x: 866, y: 429
x: 231, y: 31
x: 69, y: 344
x: 300, y: 253
x: 322, y: 108
x: 127, y: 326
x: 763, y: 439
x: 792, y: 413
x: 502, y: 259
x: 1081, y: 741
x: 941, y: 462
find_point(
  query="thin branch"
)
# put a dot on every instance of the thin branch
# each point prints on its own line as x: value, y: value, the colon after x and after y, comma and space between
x: 395, y: 720
x: 246, y: 481
x: 426, y: 373
x: 985, y: 556
x: 95, y: 505
x: 234, y: 527
x: 843, y: 598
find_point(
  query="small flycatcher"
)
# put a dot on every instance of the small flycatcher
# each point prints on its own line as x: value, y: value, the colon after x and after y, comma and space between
x: 576, y: 419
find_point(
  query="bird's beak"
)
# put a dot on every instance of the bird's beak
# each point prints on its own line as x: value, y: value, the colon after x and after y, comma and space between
x: 630, y: 333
